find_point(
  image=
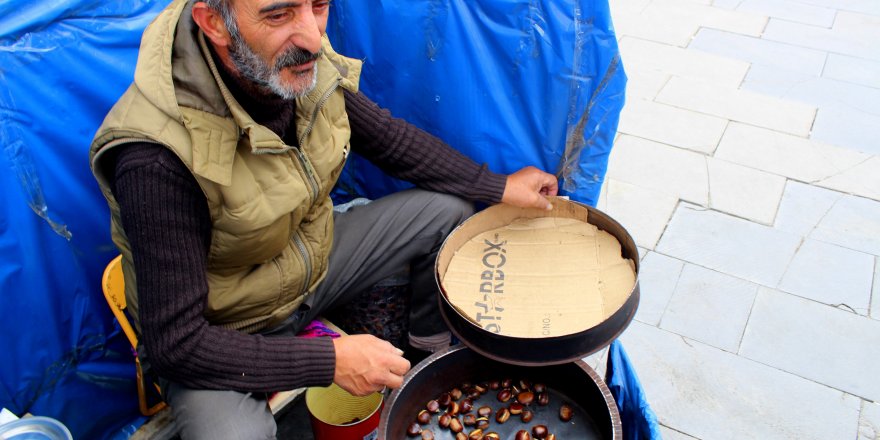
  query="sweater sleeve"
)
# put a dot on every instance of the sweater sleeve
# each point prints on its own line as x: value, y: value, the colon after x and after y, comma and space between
x: 166, y: 218
x: 407, y: 152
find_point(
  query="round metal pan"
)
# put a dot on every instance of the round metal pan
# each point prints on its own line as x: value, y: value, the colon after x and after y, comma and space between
x: 595, y: 413
x: 556, y: 349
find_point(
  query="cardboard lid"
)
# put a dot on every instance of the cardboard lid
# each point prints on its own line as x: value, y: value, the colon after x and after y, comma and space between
x: 534, y: 274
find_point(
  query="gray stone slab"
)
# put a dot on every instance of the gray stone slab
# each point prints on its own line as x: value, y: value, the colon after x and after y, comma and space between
x: 739, y: 105
x: 833, y: 347
x: 744, y: 191
x: 710, y: 307
x: 862, y: 179
x: 643, y: 211
x: 848, y: 40
x: 852, y: 69
x: 730, y: 5
x: 791, y: 10
x: 759, y: 51
x: 671, y: 125
x: 660, y: 168
x: 802, y: 207
x: 658, y: 277
x: 729, y: 245
x: 671, y: 434
x: 853, y: 222
x: 800, y: 86
x: 863, y: 6
x: 711, y: 394
x: 875, y: 295
x: 831, y: 274
x: 869, y: 422
x: 842, y: 125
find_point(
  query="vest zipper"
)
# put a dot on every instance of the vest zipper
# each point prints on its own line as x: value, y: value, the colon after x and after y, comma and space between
x: 307, y: 261
x: 306, y: 164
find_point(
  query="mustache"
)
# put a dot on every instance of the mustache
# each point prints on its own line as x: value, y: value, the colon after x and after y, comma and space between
x: 296, y: 56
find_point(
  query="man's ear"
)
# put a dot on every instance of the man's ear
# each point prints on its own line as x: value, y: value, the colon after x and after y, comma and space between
x: 211, y: 23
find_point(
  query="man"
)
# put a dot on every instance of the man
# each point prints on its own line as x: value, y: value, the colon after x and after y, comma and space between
x: 217, y: 164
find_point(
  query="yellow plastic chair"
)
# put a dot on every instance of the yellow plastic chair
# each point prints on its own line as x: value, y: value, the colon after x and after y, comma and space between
x: 114, y: 292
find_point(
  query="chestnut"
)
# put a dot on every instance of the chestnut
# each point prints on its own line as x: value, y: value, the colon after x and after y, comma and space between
x: 525, y: 397
x: 565, y: 412
x: 544, y: 398
x: 526, y: 416
x: 444, y: 421
x: 424, y: 417
x: 484, y: 411
x: 522, y: 434
x: 502, y: 415
x: 414, y: 430
x: 539, y: 431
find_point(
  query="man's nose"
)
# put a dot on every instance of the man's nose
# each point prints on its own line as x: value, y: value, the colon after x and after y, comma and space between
x: 306, y: 34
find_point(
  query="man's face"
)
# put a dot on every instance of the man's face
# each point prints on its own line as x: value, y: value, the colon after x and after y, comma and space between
x: 278, y: 42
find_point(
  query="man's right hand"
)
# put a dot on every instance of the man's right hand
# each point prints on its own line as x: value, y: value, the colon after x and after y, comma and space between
x: 365, y: 364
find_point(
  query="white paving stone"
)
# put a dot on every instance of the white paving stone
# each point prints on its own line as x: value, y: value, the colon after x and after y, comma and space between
x: 739, y: 105
x: 802, y: 207
x: 711, y: 394
x: 831, y: 274
x: 791, y: 10
x: 842, y: 125
x: 854, y: 223
x: 658, y: 277
x: 708, y: 16
x: 675, y: 22
x: 786, y: 155
x: 809, y: 88
x: 671, y: 125
x: 642, y: 83
x: 821, y: 343
x: 863, y: 6
x: 682, y: 62
x: 641, y: 210
x: 729, y: 245
x: 869, y: 422
x: 875, y: 295
x: 858, y: 42
x: 710, y: 307
x: 744, y: 192
x: 852, y: 69
x: 730, y: 5
x: 862, y: 179
x: 660, y: 168
x: 759, y: 51
x: 671, y: 434
x: 598, y: 361
x: 627, y: 7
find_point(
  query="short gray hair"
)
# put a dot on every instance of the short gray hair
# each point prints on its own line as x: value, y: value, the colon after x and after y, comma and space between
x: 224, y: 7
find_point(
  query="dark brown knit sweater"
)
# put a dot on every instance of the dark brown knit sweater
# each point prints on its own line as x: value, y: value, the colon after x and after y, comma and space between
x: 166, y: 218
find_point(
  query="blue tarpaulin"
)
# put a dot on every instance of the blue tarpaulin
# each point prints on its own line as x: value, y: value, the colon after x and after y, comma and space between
x: 508, y: 82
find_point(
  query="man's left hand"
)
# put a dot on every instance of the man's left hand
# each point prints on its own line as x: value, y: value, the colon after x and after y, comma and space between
x: 529, y: 187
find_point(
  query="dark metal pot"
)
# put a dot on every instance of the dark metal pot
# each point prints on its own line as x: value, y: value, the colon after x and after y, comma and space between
x: 556, y: 349
x: 596, y: 415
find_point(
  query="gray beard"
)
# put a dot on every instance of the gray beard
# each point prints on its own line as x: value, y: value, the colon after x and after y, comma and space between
x: 254, y: 69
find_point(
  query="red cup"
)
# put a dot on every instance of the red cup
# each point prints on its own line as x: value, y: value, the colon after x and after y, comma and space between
x: 338, y: 415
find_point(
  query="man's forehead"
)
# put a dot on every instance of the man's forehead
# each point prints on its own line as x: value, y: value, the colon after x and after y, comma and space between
x: 262, y: 6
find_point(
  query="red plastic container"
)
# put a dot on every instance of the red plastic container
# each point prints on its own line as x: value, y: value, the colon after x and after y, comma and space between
x: 337, y: 415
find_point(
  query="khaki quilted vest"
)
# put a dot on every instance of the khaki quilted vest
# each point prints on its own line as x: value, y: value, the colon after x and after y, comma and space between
x: 272, y: 221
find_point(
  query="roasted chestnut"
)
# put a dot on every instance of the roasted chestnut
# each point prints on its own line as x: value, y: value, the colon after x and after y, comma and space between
x: 444, y: 421
x: 455, y: 425
x: 433, y: 406
x: 444, y: 400
x: 476, y: 434
x: 460, y: 436
x: 466, y: 406
x: 502, y: 415
x: 504, y: 395
x: 494, y: 385
x: 455, y: 394
x: 491, y: 436
x: 565, y: 412
x: 469, y: 420
x: 525, y: 397
x: 484, y: 411
x: 413, y: 430
x: 482, y: 422
x: 539, y: 431
x: 424, y: 417
x: 427, y: 435
x: 516, y: 408
x: 453, y: 409
x: 539, y: 387
x: 526, y: 416
x: 522, y: 434
x: 544, y: 399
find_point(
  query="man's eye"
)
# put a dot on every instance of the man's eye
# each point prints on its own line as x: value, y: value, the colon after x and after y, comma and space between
x: 278, y: 16
x: 321, y: 6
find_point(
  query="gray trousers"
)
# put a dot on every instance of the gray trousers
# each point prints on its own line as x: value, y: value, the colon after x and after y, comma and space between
x: 371, y: 242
